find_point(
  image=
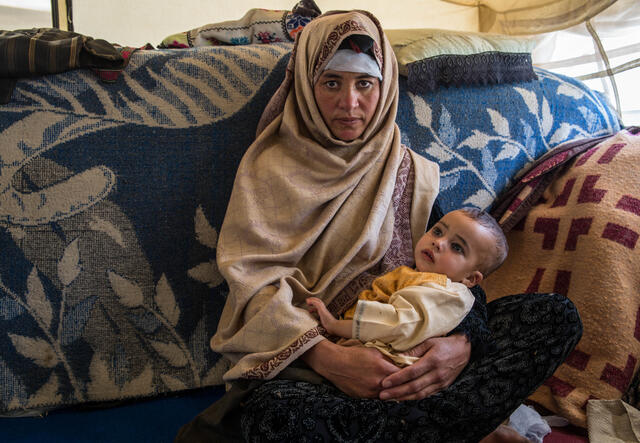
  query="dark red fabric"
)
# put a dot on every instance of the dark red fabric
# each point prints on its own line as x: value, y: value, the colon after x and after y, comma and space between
x: 567, y: 434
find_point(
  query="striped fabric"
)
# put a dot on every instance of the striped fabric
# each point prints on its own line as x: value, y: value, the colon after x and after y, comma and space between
x: 29, y: 52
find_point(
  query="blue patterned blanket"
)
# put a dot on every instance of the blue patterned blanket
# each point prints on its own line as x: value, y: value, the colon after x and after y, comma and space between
x: 111, y: 197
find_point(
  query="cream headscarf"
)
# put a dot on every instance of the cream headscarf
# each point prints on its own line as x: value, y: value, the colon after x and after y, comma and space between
x: 308, y: 212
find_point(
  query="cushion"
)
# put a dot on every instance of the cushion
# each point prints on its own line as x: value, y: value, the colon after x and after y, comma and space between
x: 581, y: 240
x: 112, y: 195
x: 482, y: 137
x: 434, y: 57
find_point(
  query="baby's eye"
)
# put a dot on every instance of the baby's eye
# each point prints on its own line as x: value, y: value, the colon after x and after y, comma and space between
x: 437, y: 231
x: 458, y: 248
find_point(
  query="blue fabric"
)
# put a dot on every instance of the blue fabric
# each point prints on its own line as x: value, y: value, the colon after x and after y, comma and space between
x: 111, y: 198
x: 152, y: 421
x: 482, y: 136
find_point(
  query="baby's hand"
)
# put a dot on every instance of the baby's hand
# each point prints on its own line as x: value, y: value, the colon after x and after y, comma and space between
x: 317, y: 306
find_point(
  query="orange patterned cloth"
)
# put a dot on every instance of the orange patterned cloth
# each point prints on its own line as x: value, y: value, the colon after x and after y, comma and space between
x: 581, y: 240
x: 401, y: 277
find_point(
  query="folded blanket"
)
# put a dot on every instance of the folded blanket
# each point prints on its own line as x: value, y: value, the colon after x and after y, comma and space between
x: 573, y: 228
x: 256, y: 26
x: 28, y: 52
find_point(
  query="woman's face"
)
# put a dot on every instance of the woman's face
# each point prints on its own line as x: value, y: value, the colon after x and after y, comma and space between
x: 347, y: 102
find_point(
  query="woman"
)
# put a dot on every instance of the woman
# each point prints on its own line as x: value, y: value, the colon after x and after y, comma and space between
x: 325, y: 200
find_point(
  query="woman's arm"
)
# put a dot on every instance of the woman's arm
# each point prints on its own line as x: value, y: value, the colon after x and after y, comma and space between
x: 355, y: 370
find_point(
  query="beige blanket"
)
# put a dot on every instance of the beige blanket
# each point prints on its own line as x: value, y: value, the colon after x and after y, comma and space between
x: 581, y: 240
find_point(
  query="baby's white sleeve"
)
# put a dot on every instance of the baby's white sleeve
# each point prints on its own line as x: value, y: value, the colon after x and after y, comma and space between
x: 413, y: 314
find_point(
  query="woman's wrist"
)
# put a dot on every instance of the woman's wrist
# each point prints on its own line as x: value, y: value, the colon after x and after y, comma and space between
x: 317, y: 355
x: 463, y: 339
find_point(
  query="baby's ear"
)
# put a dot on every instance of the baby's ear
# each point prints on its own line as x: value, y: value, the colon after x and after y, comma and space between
x: 472, y: 279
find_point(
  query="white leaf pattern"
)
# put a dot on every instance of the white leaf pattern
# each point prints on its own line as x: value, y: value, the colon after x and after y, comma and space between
x: 530, y: 139
x: 499, y: 123
x: 205, y: 233
x: 173, y: 383
x: 561, y: 134
x: 508, y: 151
x: 480, y: 199
x: 570, y: 91
x: 46, y: 394
x: 449, y: 180
x: 35, y: 349
x: 530, y: 99
x: 421, y: 110
x: 17, y: 233
x: 129, y: 292
x: 98, y: 224
x: 170, y: 352
x: 438, y: 152
x: 141, y: 384
x: 448, y: 132
x: 547, y: 118
x: 166, y: 301
x: 489, y: 171
x: 69, y: 265
x: 36, y: 298
x: 477, y: 140
x: 101, y: 385
x: 206, y: 273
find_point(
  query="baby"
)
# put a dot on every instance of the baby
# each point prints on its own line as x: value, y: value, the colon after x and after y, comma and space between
x: 405, y: 306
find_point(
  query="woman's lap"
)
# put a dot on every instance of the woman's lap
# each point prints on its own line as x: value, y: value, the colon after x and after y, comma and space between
x: 533, y: 335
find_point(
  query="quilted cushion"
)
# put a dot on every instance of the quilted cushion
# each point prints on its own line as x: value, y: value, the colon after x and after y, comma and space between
x: 581, y: 240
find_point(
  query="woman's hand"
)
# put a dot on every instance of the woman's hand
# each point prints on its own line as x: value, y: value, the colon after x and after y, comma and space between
x: 442, y: 359
x: 355, y: 370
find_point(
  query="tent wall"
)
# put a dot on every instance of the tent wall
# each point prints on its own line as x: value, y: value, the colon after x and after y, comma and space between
x: 142, y: 21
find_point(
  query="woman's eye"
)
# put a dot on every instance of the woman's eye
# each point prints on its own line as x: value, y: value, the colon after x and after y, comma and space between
x: 364, y: 83
x: 331, y: 84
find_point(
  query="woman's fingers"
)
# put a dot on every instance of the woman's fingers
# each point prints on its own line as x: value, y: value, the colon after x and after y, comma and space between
x: 423, y: 393
x: 412, y: 372
x: 443, y: 360
x: 356, y: 371
x: 362, y: 372
x: 421, y: 387
x: 407, y: 382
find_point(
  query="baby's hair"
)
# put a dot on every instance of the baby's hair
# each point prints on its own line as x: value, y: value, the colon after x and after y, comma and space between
x: 501, y: 247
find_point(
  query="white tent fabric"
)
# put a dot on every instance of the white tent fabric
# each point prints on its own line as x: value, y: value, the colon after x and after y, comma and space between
x: 533, y: 16
x: 597, y: 41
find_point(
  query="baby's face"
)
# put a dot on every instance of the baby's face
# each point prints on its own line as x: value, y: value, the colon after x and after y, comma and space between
x: 455, y: 246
